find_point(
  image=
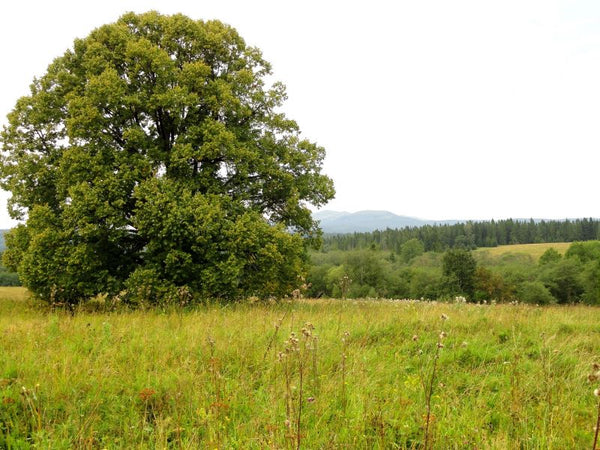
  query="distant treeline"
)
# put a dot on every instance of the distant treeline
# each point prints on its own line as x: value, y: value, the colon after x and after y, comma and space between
x: 470, y: 235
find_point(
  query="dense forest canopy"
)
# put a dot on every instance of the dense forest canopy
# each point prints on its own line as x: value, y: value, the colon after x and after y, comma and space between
x: 471, y: 235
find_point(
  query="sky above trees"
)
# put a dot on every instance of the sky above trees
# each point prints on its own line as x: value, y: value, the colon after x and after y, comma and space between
x: 435, y: 109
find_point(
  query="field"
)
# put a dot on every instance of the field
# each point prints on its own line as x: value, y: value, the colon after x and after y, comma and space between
x: 356, y: 374
x: 534, y: 250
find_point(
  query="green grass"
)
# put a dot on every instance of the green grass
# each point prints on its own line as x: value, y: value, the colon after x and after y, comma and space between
x: 220, y: 376
x: 534, y: 250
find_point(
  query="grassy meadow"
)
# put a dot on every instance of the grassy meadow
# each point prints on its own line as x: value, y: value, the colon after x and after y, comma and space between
x: 533, y: 250
x: 355, y: 375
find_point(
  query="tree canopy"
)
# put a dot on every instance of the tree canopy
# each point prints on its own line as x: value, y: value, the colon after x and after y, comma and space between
x: 152, y: 159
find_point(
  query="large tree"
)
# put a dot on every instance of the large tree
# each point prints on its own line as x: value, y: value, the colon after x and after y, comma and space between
x: 152, y: 158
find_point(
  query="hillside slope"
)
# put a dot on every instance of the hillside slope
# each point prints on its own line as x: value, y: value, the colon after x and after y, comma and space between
x: 335, y: 222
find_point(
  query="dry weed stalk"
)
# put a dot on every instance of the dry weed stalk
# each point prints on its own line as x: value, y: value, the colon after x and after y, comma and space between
x: 430, y: 385
x: 295, y: 356
x: 344, y: 356
x: 593, y: 377
x: 274, y: 335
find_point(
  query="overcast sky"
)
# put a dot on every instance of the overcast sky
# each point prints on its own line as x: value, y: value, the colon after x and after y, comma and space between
x: 434, y: 109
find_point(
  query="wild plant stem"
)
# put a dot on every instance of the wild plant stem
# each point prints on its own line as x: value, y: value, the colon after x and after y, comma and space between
x: 298, y: 424
x: 429, y: 393
x: 288, y: 390
x: 273, y: 336
x: 314, y: 363
x: 597, y: 428
x: 344, y: 382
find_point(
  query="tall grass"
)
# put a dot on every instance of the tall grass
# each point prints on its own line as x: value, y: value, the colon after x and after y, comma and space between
x: 213, y: 377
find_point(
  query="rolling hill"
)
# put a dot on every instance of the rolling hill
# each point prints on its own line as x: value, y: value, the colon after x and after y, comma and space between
x: 338, y: 222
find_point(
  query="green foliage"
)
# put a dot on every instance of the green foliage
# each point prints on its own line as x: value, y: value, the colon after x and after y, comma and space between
x: 154, y: 148
x: 590, y: 279
x: 584, y: 251
x: 8, y: 278
x: 426, y: 283
x: 550, y: 256
x: 459, y: 269
x: 490, y: 285
x: 534, y: 292
x: 435, y: 275
x: 411, y: 249
x: 564, y: 280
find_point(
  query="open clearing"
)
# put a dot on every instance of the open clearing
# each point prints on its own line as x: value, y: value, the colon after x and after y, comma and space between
x: 534, y: 250
x: 220, y: 376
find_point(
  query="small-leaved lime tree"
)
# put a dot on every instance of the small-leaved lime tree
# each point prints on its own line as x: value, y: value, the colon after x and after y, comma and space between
x: 153, y: 156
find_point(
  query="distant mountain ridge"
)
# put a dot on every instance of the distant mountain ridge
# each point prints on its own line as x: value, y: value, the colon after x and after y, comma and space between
x: 339, y: 222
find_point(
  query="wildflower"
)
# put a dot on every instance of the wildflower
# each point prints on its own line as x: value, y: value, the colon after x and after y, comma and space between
x: 310, y: 399
x: 597, y: 392
x: 146, y: 394
x: 440, y: 345
x: 415, y: 337
x: 444, y: 317
x: 443, y: 335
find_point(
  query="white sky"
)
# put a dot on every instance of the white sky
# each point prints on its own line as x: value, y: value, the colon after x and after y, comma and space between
x: 431, y: 108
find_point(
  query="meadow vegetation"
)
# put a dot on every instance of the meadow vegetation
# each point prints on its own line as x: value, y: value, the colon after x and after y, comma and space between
x: 297, y: 374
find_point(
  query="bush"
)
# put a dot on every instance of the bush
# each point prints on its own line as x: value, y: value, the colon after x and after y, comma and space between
x: 535, y: 292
